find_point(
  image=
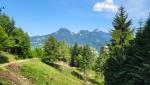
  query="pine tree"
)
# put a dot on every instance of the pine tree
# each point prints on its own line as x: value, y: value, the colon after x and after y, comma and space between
x: 3, y: 38
x: 51, y: 50
x: 64, y: 51
x: 7, y: 24
x: 87, y: 60
x: 25, y: 46
x: 74, y: 54
x: 100, y: 61
x: 21, y: 43
x: 115, y: 67
x: 141, y: 59
x: 122, y: 33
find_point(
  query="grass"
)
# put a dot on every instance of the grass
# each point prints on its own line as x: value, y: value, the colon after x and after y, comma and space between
x: 38, y: 73
x: 6, y: 82
x: 2, y: 69
x: 6, y: 57
x: 42, y: 74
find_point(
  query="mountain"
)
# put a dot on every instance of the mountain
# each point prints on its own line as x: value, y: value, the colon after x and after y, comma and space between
x: 95, y: 38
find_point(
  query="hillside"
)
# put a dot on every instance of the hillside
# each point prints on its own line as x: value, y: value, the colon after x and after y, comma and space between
x: 6, y: 57
x: 96, y: 38
x: 34, y: 72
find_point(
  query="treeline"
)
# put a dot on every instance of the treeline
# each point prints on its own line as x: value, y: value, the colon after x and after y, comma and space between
x: 55, y: 51
x: 126, y: 61
x: 13, y: 39
x: 81, y: 57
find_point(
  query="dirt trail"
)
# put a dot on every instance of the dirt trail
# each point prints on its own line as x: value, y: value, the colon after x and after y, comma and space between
x: 12, y: 72
x: 17, y: 61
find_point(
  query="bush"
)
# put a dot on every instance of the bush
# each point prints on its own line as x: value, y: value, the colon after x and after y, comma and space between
x: 3, y: 59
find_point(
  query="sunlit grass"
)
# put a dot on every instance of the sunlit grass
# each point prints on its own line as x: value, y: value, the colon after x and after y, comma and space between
x: 42, y: 74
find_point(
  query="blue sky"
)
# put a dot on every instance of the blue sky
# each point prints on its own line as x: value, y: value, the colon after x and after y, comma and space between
x: 40, y: 17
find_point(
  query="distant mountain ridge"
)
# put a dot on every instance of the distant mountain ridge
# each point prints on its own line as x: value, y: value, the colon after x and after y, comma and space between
x: 95, y: 38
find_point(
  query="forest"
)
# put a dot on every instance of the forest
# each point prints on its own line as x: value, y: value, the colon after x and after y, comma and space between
x: 124, y: 61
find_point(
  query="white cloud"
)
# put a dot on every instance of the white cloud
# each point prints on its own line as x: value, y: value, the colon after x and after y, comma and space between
x: 107, y: 5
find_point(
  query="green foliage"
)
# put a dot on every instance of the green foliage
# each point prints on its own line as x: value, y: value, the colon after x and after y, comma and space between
x: 116, y: 68
x: 3, y: 38
x: 37, y: 52
x: 79, y: 60
x: 100, y: 62
x: 6, y: 57
x: 3, y: 59
x: 74, y: 54
x: 64, y: 51
x: 140, y: 57
x: 13, y: 39
x: 83, y: 58
x: 5, y: 82
x: 7, y: 24
x: 55, y: 51
x: 87, y: 59
x: 22, y: 43
x: 51, y: 50
x: 122, y: 33
x: 129, y: 61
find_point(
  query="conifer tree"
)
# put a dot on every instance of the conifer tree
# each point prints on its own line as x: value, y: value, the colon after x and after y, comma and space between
x: 87, y: 59
x: 122, y: 32
x: 64, y: 51
x: 21, y: 42
x: 100, y: 61
x: 7, y: 24
x: 115, y: 67
x: 51, y: 50
x: 3, y: 38
x: 74, y: 54
x: 141, y: 57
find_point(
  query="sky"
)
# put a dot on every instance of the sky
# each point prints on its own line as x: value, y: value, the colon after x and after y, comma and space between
x: 41, y: 17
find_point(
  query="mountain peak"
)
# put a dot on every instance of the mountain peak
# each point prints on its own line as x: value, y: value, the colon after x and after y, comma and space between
x: 97, y: 30
x: 83, y: 32
x: 95, y: 39
x: 63, y: 30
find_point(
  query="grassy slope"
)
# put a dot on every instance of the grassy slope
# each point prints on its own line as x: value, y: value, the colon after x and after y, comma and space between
x: 5, y: 82
x: 42, y: 74
x: 37, y: 73
x: 6, y: 57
